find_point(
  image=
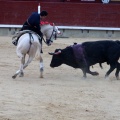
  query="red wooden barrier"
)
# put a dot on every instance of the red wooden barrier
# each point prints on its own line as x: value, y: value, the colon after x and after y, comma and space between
x: 63, y: 13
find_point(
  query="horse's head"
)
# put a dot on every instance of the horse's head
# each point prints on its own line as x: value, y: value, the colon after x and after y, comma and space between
x: 50, y: 32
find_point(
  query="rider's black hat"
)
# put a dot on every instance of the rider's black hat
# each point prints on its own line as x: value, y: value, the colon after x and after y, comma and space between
x: 43, y: 13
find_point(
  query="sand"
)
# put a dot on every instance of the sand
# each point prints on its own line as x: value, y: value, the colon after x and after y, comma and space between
x: 62, y: 94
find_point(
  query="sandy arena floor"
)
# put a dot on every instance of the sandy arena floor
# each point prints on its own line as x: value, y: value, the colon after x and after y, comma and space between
x: 61, y: 95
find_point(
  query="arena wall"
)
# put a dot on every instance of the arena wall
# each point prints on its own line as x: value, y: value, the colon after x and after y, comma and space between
x: 63, y: 13
x: 81, y: 16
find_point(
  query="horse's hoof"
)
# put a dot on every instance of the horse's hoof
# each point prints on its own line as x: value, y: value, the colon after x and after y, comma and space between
x: 21, y: 74
x: 14, y: 76
x: 41, y: 77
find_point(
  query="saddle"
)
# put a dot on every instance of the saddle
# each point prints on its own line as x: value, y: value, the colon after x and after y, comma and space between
x: 17, y: 35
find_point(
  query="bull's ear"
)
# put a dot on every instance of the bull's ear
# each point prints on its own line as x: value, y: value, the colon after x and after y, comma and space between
x: 58, y: 52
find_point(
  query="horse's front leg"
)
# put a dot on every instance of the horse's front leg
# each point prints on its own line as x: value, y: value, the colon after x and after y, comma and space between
x: 41, y: 67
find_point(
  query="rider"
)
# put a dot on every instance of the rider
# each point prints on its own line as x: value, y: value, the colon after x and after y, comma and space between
x: 33, y: 23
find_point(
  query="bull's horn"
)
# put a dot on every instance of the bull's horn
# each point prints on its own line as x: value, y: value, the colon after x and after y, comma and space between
x: 51, y: 53
x: 56, y: 53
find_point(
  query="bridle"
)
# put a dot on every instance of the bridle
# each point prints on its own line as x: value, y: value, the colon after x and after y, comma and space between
x: 49, y: 40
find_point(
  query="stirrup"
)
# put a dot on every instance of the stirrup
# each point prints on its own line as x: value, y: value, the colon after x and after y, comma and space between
x: 14, y: 42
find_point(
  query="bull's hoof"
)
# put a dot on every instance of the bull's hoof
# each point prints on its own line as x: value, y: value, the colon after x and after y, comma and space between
x: 107, y: 78
x: 95, y: 73
x: 84, y: 78
x: 117, y: 78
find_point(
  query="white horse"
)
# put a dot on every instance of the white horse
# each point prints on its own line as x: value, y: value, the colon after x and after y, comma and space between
x: 29, y: 43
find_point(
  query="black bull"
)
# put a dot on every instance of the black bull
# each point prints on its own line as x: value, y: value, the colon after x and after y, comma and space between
x: 87, y: 54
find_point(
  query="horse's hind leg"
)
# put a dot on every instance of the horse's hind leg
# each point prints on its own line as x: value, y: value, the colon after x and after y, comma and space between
x: 41, y: 65
x: 20, y: 71
x: 28, y: 62
x: 21, y: 67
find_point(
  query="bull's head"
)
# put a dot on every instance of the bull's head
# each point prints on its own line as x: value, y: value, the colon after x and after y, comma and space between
x: 57, y: 58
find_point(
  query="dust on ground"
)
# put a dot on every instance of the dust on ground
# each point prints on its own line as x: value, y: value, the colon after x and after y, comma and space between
x: 61, y: 95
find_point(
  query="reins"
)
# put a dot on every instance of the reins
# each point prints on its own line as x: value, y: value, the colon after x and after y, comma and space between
x: 43, y: 40
x: 49, y: 38
x: 51, y: 34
